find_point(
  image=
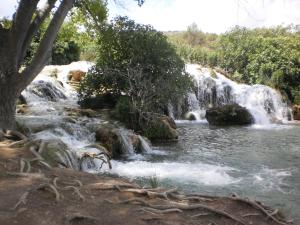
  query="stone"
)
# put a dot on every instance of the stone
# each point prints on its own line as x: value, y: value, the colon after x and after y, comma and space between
x: 76, y: 75
x: 227, y: 115
x: 162, y: 128
x: 296, y: 112
x: 57, y: 154
x: 109, y: 138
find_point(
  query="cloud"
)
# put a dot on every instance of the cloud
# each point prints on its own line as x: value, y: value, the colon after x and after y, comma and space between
x: 211, y: 15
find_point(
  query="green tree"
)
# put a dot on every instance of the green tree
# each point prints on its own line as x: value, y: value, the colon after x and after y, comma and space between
x: 15, y: 40
x: 137, y: 61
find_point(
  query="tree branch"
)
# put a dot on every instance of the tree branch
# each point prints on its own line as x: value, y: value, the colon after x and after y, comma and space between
x: 44, y: 49
x: 20, y: 26
x: 40, y: 17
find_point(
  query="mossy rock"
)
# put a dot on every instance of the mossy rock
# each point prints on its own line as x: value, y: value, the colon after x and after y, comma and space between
x: 162, y: 128
x: 227, y: 115
x: 57, y: 154
x: 296, y: 112
x: 109, y: 137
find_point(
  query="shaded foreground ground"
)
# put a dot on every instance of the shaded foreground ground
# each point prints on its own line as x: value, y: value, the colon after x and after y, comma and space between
x: 43, y: 196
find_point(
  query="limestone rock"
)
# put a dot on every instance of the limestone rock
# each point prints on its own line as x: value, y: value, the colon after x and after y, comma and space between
x: 296, y: 112
x: 161, y: 128
x: 76, y: 75
x: 57, y: 154
x: 227, y: 115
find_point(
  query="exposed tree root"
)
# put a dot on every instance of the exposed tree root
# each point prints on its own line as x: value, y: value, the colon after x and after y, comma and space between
x: 151, y: 194
x: 261, y: 208
x: 14, y: 133
x: 251, y: 214
x: 33, y: 175
x: 198, y: 198
x: 76, y: 190
x: 107, y: 186
x: 52, y: 188
x: 157, y: 211
x: 200, y: 214
x: 23, y: 199
x: 181, y: 206
x: 17, y: 143
x: 103, y: 156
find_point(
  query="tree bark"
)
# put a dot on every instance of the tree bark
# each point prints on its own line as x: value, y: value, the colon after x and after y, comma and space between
x: 7, y: 107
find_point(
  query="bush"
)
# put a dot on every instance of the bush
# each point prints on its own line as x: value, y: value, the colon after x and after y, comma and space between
x: 136, y: 61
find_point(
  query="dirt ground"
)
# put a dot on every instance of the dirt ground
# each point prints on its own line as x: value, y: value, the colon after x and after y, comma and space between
x: 36, y: 195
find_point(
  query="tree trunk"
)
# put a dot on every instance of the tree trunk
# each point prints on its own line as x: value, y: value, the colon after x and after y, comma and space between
x: 7, y: 108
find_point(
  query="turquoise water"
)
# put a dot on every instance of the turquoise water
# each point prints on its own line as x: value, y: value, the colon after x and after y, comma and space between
x: 262, y: 163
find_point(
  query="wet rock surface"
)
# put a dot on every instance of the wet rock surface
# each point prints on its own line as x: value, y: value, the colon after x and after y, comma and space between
x: 227, y: 115
x: 296, y: 112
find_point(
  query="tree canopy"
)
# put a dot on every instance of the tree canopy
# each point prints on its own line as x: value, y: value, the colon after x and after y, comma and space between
x: 137, y: 61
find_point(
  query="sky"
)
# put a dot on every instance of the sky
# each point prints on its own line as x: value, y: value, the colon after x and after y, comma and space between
x: 216, y: 16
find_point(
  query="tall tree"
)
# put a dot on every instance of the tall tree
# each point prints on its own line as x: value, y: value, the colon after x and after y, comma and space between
x: 15, y: 41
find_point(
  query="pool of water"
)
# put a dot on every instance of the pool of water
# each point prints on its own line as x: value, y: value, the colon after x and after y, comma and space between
x: 259, y: 162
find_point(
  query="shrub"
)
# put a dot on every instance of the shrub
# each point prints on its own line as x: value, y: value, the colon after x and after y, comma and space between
x: 136, y: 61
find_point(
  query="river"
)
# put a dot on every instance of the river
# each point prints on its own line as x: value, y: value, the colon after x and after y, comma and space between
x: 259, y: 161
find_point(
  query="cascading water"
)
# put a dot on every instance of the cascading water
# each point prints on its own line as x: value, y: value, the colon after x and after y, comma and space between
x: 252, y: 162
x: 50, y: 101
x: 264, y: 103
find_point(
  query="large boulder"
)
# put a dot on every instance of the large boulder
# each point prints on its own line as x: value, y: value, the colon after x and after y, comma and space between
x: 109, y: 137
x: 296, y: 112
x: 162, y: 128
x: 120, y: 142
x: 227, y: 115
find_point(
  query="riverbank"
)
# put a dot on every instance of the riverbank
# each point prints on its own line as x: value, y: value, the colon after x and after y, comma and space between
x: 37, y: 194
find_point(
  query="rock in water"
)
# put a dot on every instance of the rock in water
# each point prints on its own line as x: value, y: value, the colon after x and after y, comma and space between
x: 161, y: 128
x: 296, y: 112
x: 110, y: 139
x: 227, y: 115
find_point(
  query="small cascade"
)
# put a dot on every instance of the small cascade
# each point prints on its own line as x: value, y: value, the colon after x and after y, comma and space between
x: 126, y: 145
x: 145, y: 146
x: 49, y: 117
x: 214, y: 89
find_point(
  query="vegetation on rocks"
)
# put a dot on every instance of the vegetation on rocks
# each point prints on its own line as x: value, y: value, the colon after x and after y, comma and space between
x: 139, y: 67
x: 267, y: 56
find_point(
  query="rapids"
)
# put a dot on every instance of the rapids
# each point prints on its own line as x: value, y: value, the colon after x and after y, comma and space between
x: 259, y: 161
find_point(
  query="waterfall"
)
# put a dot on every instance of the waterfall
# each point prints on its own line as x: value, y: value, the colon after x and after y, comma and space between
x: 214, y: 89
x: 51, y: 102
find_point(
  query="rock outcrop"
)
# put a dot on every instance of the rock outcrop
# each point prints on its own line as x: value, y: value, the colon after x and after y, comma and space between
x: 227, y: 115
x: 57, y: 154
x: 76, y: 75
x: 109, y: 138
x: 296, y: 112
x: 161, y: 128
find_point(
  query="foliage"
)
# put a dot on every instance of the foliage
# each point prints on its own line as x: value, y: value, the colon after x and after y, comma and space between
x: 267, y: 56
x: 264, y: 56
x: 137, y: 61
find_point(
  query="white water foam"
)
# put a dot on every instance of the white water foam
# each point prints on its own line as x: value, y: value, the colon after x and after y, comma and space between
x: 272, y: 179
x: 204, y: 174
x: 264, y: 103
